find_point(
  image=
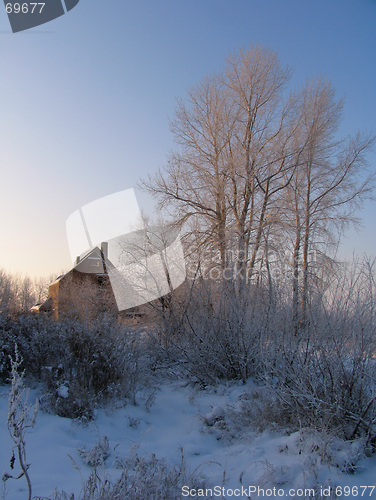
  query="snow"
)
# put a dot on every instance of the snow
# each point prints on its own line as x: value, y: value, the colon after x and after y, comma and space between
x: 175, y: 416
x: 63, y: 391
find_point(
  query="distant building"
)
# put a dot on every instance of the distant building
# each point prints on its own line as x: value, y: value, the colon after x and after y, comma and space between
x: 84, y: 292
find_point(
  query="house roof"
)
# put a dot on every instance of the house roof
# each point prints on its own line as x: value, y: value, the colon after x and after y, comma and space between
x: 91, y: 263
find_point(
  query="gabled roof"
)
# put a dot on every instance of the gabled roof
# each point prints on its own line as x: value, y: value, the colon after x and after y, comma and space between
x: 91, y: 263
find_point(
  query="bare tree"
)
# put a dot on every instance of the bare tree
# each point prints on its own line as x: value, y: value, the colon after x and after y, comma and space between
x: 5, y: 290
x: 329, y: 183
x: 228, y: 167
x: 16, y: 292
x: 41, y: 285
x: 257, y: 169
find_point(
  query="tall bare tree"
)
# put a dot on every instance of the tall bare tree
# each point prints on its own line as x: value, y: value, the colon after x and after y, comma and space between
x: 329, y: 183
x: 228, y: 166
x: 256, y: 166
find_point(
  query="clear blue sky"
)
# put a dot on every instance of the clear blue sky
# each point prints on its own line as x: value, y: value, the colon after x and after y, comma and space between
x: 85, y: 99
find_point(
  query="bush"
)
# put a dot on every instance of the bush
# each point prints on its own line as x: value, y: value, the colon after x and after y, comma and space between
x: 321, y: 376
x: 213, y: 332
x: 80, y: 365
x: 326, y: 376
x: 141, y: 477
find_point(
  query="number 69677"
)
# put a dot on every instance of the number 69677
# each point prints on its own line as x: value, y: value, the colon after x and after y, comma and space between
x: 24, y: 8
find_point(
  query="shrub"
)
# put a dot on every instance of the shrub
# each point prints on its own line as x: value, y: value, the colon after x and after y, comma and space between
x: 213, y: 332
x: 322, y: 376
x: 18, y: 421
x: 326, y: 375
x: 141, y: 477
x: 80, y: 365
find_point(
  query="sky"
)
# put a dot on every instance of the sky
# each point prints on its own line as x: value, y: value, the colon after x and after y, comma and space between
x: 85, y: 100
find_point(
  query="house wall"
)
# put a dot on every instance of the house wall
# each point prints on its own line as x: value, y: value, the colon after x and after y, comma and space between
x: 81, y: 295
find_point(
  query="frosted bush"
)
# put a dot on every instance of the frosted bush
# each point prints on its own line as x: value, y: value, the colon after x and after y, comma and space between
x: 21, y: 416
x: 141, y: 478
x: 97, y: 455
x: 82, y: 366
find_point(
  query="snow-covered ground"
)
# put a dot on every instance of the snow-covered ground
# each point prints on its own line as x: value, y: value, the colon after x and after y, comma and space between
x: 175, y: 416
